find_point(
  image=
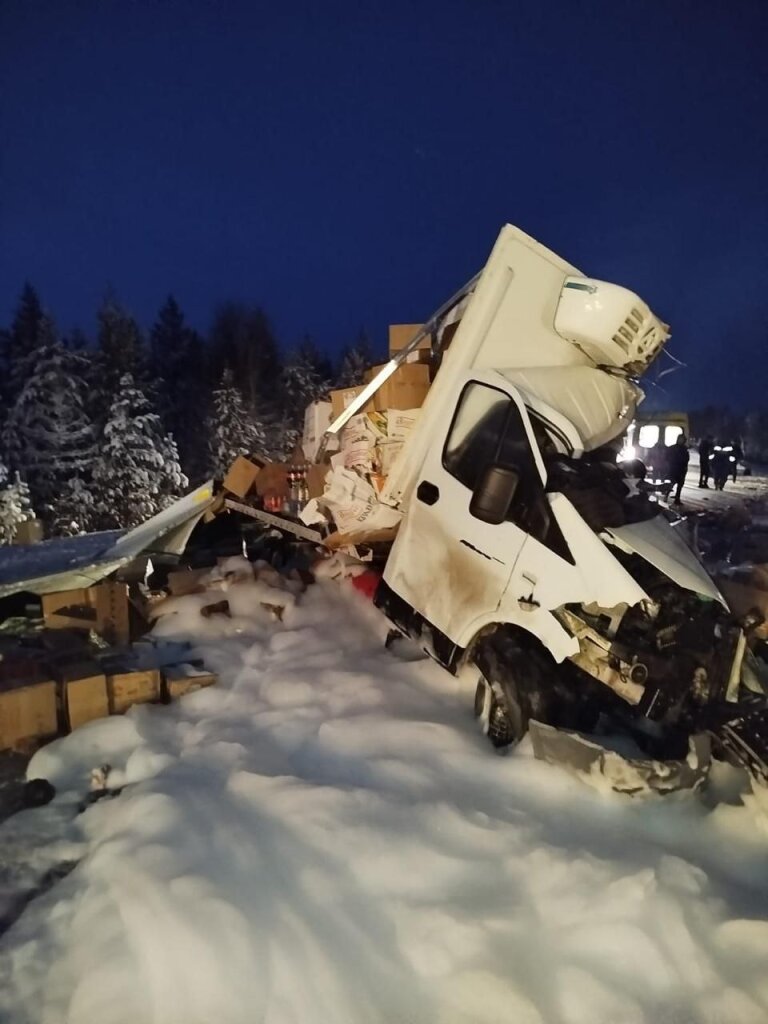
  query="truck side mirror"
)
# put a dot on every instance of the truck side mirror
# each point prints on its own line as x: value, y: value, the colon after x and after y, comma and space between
x: 494, y: 493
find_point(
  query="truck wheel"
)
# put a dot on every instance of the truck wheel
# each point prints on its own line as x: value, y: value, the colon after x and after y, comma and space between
x: 501, y: 703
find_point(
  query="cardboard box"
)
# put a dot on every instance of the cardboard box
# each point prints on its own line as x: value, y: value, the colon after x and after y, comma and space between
x: 241, y: 476
x: 185, y: 678
x: 84, y: 691
x: 103, y: 608
x: 317, y: 419
x: 343, y: 397
x: 186, y: 581
x: 132, y: 686
x: 28, y: 706
x: 401, y: 334
x: 273, y: 480
x: 29, y: 532
x: 406, y: 388
x: 316, y: 479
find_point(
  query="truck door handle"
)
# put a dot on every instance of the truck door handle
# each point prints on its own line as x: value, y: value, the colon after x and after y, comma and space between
x: 427, y: 492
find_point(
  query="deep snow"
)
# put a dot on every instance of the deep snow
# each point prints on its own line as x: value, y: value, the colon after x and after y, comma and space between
x: 325, y: 838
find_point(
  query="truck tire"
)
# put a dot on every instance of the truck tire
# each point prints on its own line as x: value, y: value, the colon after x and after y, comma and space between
x: 508, y: 694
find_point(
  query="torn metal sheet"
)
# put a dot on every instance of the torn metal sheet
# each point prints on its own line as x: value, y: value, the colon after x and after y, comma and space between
x: 69, y: 563
x: 279, y: 522
x: 630, y: 775
x: 145, y: 539
x: 661, y: 545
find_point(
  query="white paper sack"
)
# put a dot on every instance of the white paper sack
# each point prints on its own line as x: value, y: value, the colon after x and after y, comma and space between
x: 357, y: 449
x: 311, y: 515
x: 400, y: 423
x: 385, y: 455
x: 352, y: 503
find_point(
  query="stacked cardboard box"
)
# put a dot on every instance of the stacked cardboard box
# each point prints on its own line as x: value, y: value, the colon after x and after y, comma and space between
x: 406, y: 388
x: 401, y: 335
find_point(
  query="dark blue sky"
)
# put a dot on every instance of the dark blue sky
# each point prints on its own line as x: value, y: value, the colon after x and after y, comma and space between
x: 350, y: 163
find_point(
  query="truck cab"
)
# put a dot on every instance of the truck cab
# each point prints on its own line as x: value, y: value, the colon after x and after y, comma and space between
x: 522, y: 551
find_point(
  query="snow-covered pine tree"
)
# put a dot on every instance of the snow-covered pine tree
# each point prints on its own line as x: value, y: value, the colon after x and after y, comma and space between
x: 48, y: 435
x: 137, y: 471
x: 121, y: 350
x: 75, y: 509
x: 230, y: 428
x: 355, y: 360
x: 15, y: 505
x: 30, y: 329
x: 304, y: 380
x: 242, y: 340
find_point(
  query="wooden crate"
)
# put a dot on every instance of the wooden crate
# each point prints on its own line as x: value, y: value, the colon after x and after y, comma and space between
x: 132, y: 686
x: 103, y: 608
x: 83, y: 690
x: 185, y: 678
x: 27, y: 711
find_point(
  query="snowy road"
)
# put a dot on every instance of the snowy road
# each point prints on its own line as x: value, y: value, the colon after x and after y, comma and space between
x: 745, y: 492
x: 324, y: 838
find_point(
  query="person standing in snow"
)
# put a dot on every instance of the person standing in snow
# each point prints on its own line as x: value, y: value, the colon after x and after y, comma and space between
x: 705, y: 454
x: 721, y: 465
x: 738, y: 453
x: 678, y: 465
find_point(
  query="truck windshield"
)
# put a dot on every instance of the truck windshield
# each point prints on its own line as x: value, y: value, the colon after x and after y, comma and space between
x: 487, y: 429
x: 598, y: 489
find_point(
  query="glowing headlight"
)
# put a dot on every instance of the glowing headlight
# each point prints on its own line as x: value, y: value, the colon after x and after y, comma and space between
x: 626, y: 454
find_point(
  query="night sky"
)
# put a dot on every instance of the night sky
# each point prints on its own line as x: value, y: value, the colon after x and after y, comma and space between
x: 347, y: 164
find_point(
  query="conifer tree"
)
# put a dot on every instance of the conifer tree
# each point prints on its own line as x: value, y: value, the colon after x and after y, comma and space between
x: 48, y: 435
x: 121, y: 351
x: 304, y: 381
x: 15, y: 505
x: 355, y: 360
x: 231, y: 429
x: 30, y: 329
x: 137, y: 472
x: 179, y: 367
x: 242, y: 340
x: 75, y: 509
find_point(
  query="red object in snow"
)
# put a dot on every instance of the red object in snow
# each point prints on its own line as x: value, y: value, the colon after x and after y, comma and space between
x: 366, y: 583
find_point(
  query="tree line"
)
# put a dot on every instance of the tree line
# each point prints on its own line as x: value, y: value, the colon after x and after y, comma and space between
x: 102, y: 433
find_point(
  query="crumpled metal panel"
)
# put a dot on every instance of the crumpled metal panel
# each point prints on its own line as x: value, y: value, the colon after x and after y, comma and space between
x: 68, y: 563
x: 631, y: 775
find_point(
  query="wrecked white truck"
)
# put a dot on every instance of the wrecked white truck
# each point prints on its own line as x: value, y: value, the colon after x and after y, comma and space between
x: 523, y: 554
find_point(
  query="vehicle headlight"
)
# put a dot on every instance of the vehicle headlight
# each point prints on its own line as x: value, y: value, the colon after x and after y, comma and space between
x: 626, y: 454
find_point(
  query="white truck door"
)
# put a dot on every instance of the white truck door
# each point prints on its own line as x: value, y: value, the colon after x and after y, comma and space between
x: 447, y: 564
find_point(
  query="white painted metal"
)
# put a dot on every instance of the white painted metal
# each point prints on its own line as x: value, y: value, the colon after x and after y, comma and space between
x: 510, y: 322
x: 462, y: 574
x: 658, y: 543
x: 600, y: 407
x: 611, y: 324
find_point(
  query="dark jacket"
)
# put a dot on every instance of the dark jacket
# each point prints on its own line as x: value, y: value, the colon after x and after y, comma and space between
x: 677, y: 460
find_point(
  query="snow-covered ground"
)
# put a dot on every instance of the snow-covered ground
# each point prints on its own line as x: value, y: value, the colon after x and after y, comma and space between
x: 744, y: 492
x: 325, y: 838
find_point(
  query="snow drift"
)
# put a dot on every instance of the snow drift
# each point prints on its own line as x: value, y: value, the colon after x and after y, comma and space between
x: 324, y: 838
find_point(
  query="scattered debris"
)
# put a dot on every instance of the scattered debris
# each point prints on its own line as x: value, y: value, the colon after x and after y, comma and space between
x: 630, y: 774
